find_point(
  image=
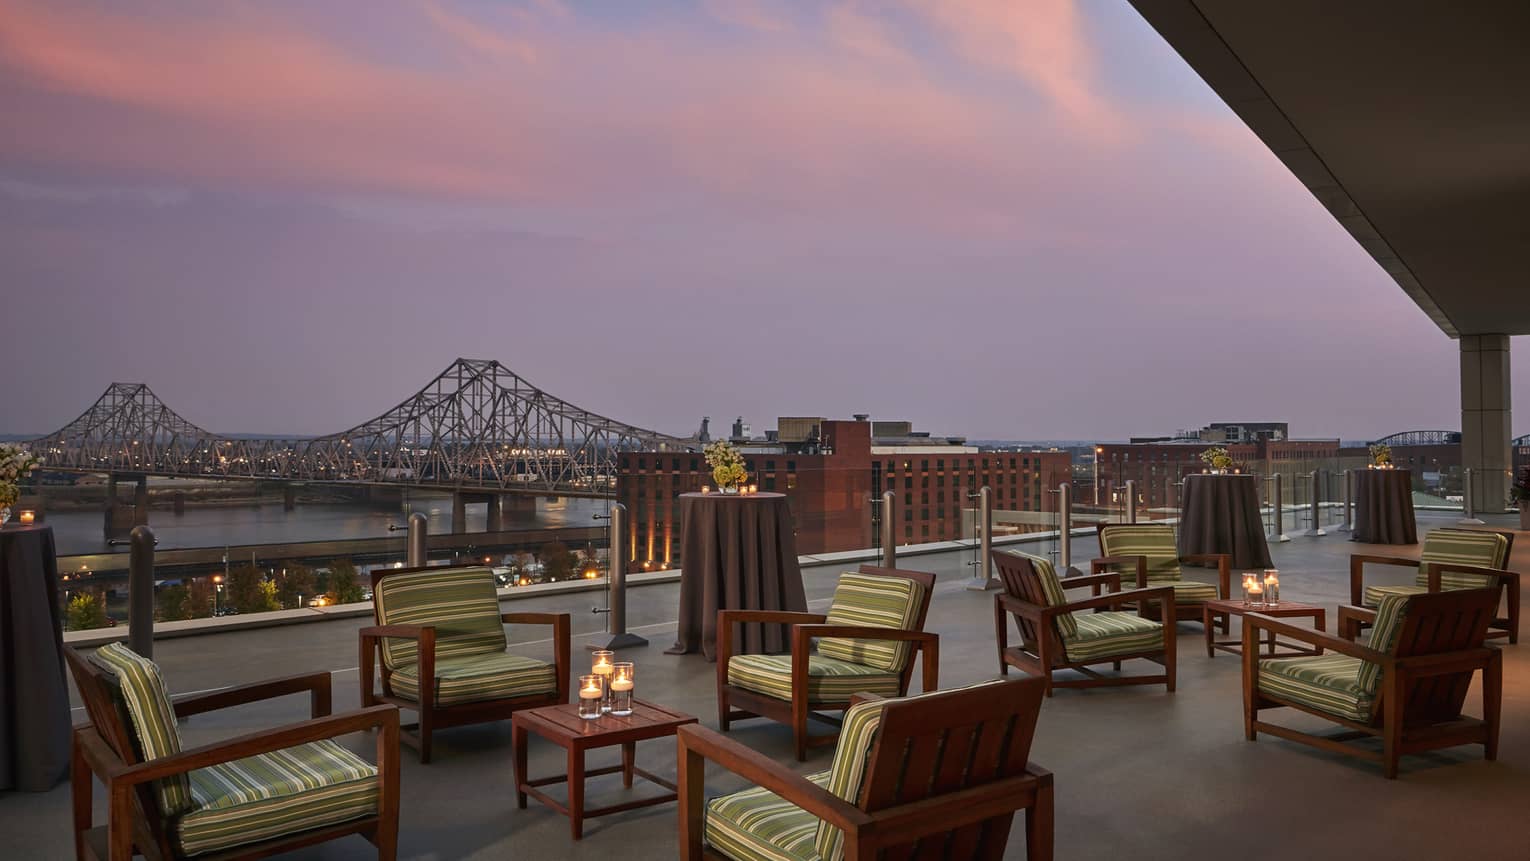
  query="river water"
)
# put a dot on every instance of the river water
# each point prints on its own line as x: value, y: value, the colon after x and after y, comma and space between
x: 81, y: 531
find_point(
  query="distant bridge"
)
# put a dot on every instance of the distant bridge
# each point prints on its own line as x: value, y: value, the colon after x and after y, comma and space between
x: 477, y: 426
x: 1422, y: 437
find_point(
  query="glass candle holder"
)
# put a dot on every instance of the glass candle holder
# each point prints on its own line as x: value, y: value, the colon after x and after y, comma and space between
x: 1248, y: 582
x: 592, y: 691
x: 27, y: 517
x: 600, y: 665
x: 1271, y: 587
x: 622, y: 680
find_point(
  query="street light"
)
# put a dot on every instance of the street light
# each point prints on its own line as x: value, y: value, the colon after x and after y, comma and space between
x: 1098, y: 450
x: 217, y: 580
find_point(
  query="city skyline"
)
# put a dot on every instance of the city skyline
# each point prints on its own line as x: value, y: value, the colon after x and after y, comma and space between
x: 993, y: 223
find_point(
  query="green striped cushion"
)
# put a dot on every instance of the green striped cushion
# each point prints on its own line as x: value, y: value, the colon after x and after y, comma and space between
x: 152, y: 715
x: 275, y: 794
x: 1101, y: 636
x: 877, y: 601
x: 461, y: 603
x: 1374, y: 594
x: 1052, y: 588
x: 1462, y: 547
x: 475, y: 678
x: 758, y: 825
x: 829, y: 680
x: 1153, y: 541
x: 1328, y: 683
x: 1384, y: 631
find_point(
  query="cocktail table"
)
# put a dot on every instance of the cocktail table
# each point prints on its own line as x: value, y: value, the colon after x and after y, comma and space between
x: 1225, y: 608
x: 562, y: 725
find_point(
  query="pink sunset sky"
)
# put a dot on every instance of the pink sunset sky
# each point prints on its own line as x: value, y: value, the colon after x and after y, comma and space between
x: 1018, y: 220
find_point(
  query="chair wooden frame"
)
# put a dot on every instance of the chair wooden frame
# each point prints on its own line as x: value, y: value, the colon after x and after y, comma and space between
x: 432, y: 716
x: 1356, y: 616
x: 104, y: 749
x: 1424, y: 681
x: 1184, y: 610
x: 737, y: 703
x: 1042, y: 652
x: 929, y: 793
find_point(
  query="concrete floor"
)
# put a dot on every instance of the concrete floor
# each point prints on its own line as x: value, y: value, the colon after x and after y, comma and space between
x: 1138, y: 771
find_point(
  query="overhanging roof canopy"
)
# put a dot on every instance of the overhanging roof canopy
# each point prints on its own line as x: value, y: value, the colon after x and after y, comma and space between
x: 1408, y: 119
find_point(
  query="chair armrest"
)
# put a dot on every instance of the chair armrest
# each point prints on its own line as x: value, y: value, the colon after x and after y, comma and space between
x: 1109, y: 578
x: 532, y: 618
x: 1019, y: 606
x: 317, y: 684
x: 864, y: 697
x: 1137, y: 563
x: 561, y: 625
x: 906, y: 823
x: 1349, y: 615
x: 760, y: 770
x: 1433, y: 570
x: 1115, y: 599
x: 784, y: 617
x: 266, y: 741
x: 1357, y: 563
x: 1316, y: 638
x: 402, y: 632
x: 863, y: 632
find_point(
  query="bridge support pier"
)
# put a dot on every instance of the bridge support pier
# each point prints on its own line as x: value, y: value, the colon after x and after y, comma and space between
x: 141, y: 502
x: 459, y: 512
x: 178, y: 499
x: 289, y: 497
x: 494, y: 522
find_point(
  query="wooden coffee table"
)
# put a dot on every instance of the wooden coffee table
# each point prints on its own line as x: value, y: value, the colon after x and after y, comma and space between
x: 1225, y: 608
x: 562, y: 725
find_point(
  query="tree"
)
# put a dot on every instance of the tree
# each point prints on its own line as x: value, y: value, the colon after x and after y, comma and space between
x: 174, y: 603
x: 589, y: 561
x: 520, y: 566
x: 557, y: 561
x: 343, y: 588
x: 247, y: 590
x: 297, y: 584
x: 199, y: 598
x: 86, y: 611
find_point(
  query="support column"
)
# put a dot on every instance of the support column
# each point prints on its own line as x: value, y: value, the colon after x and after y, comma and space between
x: 1485, y: 417
x: 459, y: 512
x: 493, y: 522
x: 141, y: 501
x: 289, y: 497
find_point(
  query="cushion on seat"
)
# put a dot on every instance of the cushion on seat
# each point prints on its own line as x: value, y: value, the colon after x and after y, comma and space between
x: 275, y: 794
x: 1052, y: 588
x: 1384, y: 631
x: 480, y: 677
x: 829, y: 680
x: 758, y: 825
x: 461, y: 603
x: 1462, y: 547
x: 1329, y: 683
x: 152, y: 715
x: 1153, y: 541
x: 1101, y: 636
x: 1374, y: 594
x: 878, y: 601
x: 1185, y: 592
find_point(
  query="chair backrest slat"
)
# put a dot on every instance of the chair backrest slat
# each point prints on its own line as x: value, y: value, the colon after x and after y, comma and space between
x: 1020, y: 579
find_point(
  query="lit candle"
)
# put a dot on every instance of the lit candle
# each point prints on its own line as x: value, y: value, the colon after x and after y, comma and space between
x: 705, y: 489
x: 621, y: 685
x: 592, y: 695
x: 753, y: 488
x: 591, y: 689
x: 602, y: 663
x: 1255, y: 589
x: 27, y: 517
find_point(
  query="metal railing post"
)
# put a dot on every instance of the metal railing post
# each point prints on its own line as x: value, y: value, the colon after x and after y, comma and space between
x: 1131, y: 500
x: 1065, y: 524
x: 1279, y: 531
x: 1469, y: 500
x: 141, y: 591
x: 616, y: 636
x: 1315, y: 505
x: 418, y: 530
x: 889, y: 541
x: 982, y: 574
x: 1347, y: 489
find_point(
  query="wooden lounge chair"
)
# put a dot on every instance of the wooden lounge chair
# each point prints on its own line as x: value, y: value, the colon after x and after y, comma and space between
x: 1451, y: 559
x: 866, y: 644
x: 938, y: 775
x: 247, y: 797
x: 1406, y: 686
x: 445, y: 624
x: 1056, y: 635
x: 1146, y: 555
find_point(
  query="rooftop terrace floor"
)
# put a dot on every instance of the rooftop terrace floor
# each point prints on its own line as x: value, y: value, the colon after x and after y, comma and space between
x: 1139, y: 772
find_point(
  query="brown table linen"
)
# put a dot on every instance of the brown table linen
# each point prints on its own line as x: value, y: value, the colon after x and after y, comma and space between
x: 1221, y: 515
x: 739, y: 553
x: 34, y: 697
x: 1384, y: 507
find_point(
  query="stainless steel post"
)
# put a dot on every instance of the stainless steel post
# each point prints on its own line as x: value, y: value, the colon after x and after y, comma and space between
x: 1469, y: 500
x: 1131, y: 500
x: 982, y: 575
x: 1347, y: 488
x: 1065, y: 524
x: 616, y: 636
x: 889, y: 530
x: 141, y: 591
x: 1279, y: 532
x: 1315, y: 505
x: 418, y: 529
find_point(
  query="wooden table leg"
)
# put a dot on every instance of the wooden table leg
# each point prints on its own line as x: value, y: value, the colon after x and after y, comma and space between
x: 518, y: 742
x: 576, y: 791
x: 1208, y: 621
x: 628, y: 749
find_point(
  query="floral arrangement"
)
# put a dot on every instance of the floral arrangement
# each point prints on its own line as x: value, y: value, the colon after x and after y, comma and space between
x: 1381, y: 454
x: 16, y: 463
x: 727, y: 465
x: 1217, y: 458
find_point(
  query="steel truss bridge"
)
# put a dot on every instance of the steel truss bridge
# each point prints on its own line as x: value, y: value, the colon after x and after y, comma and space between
x: 477, y: 426
x: 1422, y: 437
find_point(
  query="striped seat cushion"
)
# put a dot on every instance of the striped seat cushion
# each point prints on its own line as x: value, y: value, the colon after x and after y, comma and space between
x: 1389, y: 621
x: 479, y: 677
x: 1052, y: 589
x: 275, y: 794
x: 1101, y: 636
x: 1374, y: 594
x: 1153, y: 541
x: 1185, y: 592
x: 1328, y: 683
x: 877, y: 601
x: 461, y: 603
x: 758, y: 825
x: 829, y: 680
x: 1462, y: 547
x: 152, y: 715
